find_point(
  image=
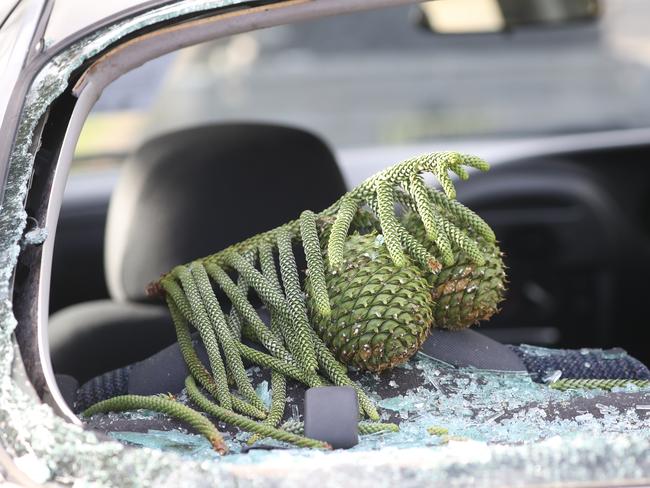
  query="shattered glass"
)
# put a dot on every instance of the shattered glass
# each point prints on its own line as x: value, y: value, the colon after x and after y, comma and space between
x: 31, y: 431
x: 499, y: 427
x: 457, y: 423
x: 35, y: 236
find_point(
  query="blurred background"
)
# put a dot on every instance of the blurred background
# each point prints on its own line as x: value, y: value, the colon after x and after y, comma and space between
x: 382, y: 85
x: 379, y: 78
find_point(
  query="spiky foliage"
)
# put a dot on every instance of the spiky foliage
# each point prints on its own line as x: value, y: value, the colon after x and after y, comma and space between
x: 389, y: 294
x: 597, y: 384
x: 258, y: 428
x: 165, y: 405
x: 464, y: 292
x: 365, y: 428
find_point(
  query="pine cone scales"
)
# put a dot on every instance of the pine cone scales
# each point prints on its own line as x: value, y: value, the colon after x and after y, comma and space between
x: 381, y: 313
x: 464, y: 293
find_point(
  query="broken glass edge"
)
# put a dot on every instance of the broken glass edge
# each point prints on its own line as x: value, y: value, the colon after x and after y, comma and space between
x: 52, y: 449
x: 476, y: 408
x: 31, y: 431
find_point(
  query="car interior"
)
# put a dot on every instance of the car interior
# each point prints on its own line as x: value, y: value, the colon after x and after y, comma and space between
x: 571, y: 213
x: 573, y: 227
x: 155, y: 201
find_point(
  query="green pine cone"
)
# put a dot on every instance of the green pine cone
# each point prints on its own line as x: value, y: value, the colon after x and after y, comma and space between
x: 381, y: 314
x: 464, y: 293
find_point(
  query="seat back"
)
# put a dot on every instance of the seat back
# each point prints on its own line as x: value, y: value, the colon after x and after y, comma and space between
x: 194, y: 192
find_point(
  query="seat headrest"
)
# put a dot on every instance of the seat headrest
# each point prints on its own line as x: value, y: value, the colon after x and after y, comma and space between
x: 194, y: 192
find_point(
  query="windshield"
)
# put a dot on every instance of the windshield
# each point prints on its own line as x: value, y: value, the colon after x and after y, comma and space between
x: 377, y: 78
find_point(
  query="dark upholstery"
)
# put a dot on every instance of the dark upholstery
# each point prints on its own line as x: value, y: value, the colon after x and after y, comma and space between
x: 93, y: 337
x: 181, y: 196
x: 194, y: 192
x: 468, y: 348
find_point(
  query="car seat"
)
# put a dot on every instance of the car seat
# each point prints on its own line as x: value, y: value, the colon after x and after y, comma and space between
x: 186, y: 194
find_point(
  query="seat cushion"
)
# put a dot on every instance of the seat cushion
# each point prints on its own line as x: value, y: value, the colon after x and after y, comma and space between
x: 93, y: 337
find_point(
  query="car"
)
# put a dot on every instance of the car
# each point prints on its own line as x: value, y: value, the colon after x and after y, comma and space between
x: 140, y: 135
